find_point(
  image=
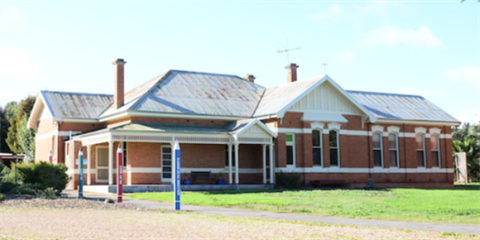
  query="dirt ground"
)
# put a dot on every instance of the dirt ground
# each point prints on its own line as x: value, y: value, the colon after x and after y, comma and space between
x: 82, y: 219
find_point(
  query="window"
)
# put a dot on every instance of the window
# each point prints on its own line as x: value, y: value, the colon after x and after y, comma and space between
x: 226, y: 156
x: 290, y: 139
x: 435, y: 142
x: 166, y: 162
x: 333, y: 137
x: 377, y: 149
x: 420, y: 139
x: 317, y: 147
x: 392, y: 149
x: 124, y: 150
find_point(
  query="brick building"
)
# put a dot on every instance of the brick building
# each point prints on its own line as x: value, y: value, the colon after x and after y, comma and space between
x: 233, y: 127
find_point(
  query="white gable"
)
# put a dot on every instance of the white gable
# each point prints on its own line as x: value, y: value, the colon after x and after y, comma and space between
x: 325, y: 98
x: 45, y: 113
x: 255, y: 129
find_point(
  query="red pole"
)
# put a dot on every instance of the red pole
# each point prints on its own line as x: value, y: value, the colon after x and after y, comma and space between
x: 119, y: 173
x: 50, y: 156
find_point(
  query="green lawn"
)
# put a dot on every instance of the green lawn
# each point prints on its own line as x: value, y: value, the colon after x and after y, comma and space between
x: 458, y: 205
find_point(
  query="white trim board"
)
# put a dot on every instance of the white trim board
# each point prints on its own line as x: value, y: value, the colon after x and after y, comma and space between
x: 366, y: 170
x: 55, y: 133
x: 355, y: 132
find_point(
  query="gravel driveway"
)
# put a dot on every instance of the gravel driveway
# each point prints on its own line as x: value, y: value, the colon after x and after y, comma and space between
x: 85, y: 219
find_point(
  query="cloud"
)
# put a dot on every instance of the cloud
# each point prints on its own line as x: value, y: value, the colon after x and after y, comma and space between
x: 392, y: 36
x: 345, y: 55
x: 15, y: 63
x: 332, y: 11
x: 10, y: 18
x: 468, y: 74
x: 468, y: 115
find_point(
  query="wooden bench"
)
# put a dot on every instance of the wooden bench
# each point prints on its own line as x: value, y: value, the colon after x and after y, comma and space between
x: 202, y: 176
x: 329, y: 182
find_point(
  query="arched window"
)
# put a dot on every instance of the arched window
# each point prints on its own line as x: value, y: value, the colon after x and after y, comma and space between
x: 334, y: 148
x: 317, y: 147
x: 393, y: 149
x: 435, y: 143
x: 377, y: 150
x: 420, y: 140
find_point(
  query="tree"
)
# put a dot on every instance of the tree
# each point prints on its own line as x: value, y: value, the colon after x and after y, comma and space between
x: 4, y: 124
x: 26, y: 138
x: 19, y: 138
x: 11, y: 113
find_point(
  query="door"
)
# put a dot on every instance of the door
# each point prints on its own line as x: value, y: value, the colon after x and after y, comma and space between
x: 102, y: 164
x: 166, y: 163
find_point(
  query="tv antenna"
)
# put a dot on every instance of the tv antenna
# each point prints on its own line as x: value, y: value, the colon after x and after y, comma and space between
x: 286, y: 50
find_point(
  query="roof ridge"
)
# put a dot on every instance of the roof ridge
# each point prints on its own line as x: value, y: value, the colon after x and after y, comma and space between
x: 146, y: 93
x: 385, y: 93
x: 76, y: 93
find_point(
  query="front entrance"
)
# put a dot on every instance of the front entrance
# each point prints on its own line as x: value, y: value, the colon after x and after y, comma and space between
x: 102, y: 165
x: 166, y: 163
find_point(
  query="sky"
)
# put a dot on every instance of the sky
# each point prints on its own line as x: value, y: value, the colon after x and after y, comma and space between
x: 427, y: 48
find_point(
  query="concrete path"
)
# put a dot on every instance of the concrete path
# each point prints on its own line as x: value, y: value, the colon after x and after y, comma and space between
x: 439, y: 227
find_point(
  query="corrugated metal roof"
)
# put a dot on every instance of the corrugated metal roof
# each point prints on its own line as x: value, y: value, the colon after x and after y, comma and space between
x: 229, y: 127
x: 200, y: 93
x: 401, y: 106
x: 179, y: 128
x: 76, y: 105
x: 275, y: 98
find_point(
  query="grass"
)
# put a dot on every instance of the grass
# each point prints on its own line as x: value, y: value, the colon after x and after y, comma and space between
x: 2, y: 197
x: 458, y: 205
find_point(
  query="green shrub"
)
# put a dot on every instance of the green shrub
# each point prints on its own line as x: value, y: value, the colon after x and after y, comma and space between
x: 46, y: 175
x: 7, y: 187
x: 288, y: 180
x: 2, y: 166
x: 48, y: 193
x: 27, y: 188
x: 8, y: 174
x: 2, y: 197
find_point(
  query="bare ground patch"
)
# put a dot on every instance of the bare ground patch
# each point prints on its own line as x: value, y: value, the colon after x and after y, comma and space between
x: 84, y: 219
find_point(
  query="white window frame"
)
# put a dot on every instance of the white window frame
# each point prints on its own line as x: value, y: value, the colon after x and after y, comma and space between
x: 124, y: 153
x: 320, y: 133
x: 438, y: 149
x: 416, y: 150
x: 167, y: 180
x: 293, y: 149
x: 96, y: 164
x: 381, y: 150
x: 337, y: 131
x: 396, y: 149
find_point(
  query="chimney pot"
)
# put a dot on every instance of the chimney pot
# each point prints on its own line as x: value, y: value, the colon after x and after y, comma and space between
x: 119, y: 75
x: 249, y: 78
x: 292, y: 72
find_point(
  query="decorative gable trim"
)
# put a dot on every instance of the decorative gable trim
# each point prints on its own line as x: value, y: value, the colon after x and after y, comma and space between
x: 326, y: 78
x: 255, y: 122
x: 40, y: 105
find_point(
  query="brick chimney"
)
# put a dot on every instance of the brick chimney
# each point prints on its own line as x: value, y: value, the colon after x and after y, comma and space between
x: 292, y: 72
x: 249, y: 78
x: 118, y: 95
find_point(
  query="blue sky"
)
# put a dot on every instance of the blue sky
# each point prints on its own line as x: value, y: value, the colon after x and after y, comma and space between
x: 429, y: 48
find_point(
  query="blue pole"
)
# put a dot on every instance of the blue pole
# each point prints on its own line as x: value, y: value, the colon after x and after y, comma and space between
x: 80, y: 174
x: 176, y: 183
